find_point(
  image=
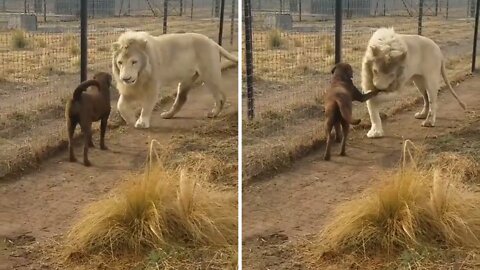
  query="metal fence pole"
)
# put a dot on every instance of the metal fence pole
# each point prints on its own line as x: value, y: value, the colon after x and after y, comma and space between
x: 446, y: 14
x: 232, y: 23
x: 299, y: 10
x: 191, y: 10
x: 338, y: 31
x: 475, y: 36
x: 165, y: 15
x: 83, y: 40
x: 44, y: 10
x: 420, y: 16
x: 220, y: 29
x: 249, y: 57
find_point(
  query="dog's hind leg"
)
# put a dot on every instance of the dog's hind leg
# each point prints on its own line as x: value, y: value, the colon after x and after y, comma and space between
x: 338, y: 134
x: 328, y: 136
x: 87, y: 133
x: 182, y: 93
x: 71, y: 125
x: 345, y: 130
x: 420, y: 84
x: 103, y: 129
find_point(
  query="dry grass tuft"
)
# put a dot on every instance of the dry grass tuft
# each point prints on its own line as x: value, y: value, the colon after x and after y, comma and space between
x: 159, y: 210
x: 18, y: 40
x: 411, y: 209
x: 462, y: 166
x: 274, y: 39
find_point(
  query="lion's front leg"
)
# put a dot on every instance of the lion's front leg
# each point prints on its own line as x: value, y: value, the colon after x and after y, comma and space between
x: 125, y: 108
x: 148, y: 104
x: 376, y: 131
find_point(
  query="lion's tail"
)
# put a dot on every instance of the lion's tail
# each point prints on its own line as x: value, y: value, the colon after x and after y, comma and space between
x: 83, y: 87
x: 226, y: 54
x: 447, y: 82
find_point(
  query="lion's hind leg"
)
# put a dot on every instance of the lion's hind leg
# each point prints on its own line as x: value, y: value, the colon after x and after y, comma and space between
x: 420, y: 84
x: 182, y: 92
x: 432, y: 91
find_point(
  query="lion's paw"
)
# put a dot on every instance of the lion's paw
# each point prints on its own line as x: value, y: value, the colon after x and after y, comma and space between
x: 142, y: 124
x: 428, y: 123
x: 420, y: 115
x: 375, y: 133
x: 166, y: 115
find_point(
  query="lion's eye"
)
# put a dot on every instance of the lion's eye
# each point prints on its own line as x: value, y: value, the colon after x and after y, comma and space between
x: 120, y: 62
x: 375, y: 71
x: 134, y: 62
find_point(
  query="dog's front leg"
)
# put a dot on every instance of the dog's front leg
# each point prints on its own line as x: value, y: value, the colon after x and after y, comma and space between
x: 126, y: 110
x: 376, y: 131
x: 148, y: 105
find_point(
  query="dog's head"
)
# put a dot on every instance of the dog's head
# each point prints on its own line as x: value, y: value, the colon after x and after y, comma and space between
x: 103, y: 77
x: 343, y: 70
x: 129, y: 59
x: 386, y: 66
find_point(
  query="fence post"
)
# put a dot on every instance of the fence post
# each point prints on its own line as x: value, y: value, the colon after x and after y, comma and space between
x: 300, y: 10
x: 338, y: 31
x: 44, y: 10
x: 446, y: 14
x: 220, y: 30
x: 249, y: 57
x: 181, y: 7
x: 475, y: 36
x: 191, y: 10
x: 420, y: 16
x: 83, y: 40
x: 436, y: 7
x: 232, y: 23
x: 165, y: 15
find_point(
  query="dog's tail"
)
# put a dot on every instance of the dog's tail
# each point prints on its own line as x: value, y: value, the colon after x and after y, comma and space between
x: 77, y: 94
x: 447, y: 82
x: 226, y: 54
x: 346, y: 113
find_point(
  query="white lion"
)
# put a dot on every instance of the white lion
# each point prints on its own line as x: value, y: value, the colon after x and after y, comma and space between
x: 391, y: 60
x: 143, y: 63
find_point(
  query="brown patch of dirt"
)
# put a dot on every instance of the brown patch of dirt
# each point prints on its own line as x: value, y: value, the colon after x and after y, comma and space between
x: 44, y: 203
x: 299, y: 202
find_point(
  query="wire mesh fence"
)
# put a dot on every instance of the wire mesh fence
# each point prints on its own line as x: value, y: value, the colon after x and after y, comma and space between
x: 40, y: 53
x: 293, y: 49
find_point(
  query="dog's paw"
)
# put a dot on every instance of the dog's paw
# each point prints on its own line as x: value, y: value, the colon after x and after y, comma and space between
x: 428, y: 123
x: 421, y: 115
x: 142, y: 124
x: 326, y: 157
x: 72, y: 159
x: 87, y: 163
x: 166, y: 115
x: 375, y: 133
x: 343, y: 153
x: 103, y: 147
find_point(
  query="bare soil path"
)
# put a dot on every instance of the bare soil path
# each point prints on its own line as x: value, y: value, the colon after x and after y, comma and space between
x: 42, y: 204
x: 298, y: 202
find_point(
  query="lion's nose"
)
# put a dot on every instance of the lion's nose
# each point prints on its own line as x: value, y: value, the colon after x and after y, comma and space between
x: 127, y: 79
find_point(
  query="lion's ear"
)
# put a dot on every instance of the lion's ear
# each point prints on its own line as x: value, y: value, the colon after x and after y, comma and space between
x: 115, y: 46
x: 375, y: 50
x: 142, y: 43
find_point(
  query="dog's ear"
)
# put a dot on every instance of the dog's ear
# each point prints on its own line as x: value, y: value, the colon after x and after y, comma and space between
x: 375, y: 50
x: 116, y: 46
x: 333, y: 69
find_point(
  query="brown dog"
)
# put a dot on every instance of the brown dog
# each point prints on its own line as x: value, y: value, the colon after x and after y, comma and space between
x: 338, y: 105
x: 89, y: 106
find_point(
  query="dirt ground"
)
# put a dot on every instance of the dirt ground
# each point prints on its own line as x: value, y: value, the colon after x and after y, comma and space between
x: 41, y: 205
x: 281, y: 210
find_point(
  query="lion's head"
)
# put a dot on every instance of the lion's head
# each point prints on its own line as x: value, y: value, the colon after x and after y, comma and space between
x: 130, y: 59
x: 384, y: 58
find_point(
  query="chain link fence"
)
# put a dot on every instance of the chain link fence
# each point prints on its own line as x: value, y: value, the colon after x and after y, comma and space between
x: 293, y: 48
x: 40, y: 56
